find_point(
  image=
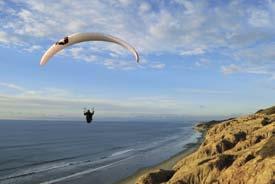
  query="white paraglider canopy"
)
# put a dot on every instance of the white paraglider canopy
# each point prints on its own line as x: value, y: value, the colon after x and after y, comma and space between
x: 83, y: 37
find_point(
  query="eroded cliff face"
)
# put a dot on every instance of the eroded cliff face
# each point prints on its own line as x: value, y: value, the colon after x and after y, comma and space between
x: 239, y: 150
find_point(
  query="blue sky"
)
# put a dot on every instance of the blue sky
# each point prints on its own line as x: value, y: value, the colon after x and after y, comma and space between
x: 198, y: 59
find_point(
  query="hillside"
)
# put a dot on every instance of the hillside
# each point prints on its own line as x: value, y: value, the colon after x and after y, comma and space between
x: 238, y: 150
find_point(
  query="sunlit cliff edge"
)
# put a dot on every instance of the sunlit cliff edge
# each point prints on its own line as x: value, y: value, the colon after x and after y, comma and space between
x: 236, y: 151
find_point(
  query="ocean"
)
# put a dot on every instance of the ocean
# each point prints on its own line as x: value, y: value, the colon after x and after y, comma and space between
x: 75, y: 152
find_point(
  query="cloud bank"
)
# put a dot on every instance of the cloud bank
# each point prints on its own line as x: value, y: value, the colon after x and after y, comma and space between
x: 237, y: 30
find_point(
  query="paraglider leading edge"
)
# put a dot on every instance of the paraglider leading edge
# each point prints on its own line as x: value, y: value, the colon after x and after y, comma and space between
x: 84, y: 37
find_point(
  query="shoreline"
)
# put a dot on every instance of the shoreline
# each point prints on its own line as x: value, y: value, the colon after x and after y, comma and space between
x: 166, y: 164
x: 238, y: 150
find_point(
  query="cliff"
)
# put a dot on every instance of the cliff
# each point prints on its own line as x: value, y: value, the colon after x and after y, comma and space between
x: 236, y: 151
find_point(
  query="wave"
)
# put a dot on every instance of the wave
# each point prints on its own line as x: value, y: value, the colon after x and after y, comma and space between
x: 158, y: 143
x: 45, y: 166
x: 57, y: 160
x: 76, y: 174
x: 69, y: 167
x: 121, y: 152
x: 84, y: 172
x: 41, y: 163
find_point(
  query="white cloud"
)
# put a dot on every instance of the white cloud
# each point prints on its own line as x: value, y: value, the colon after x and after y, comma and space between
x: 41, y: 19
x: 186, y: 28
x: 195, y: 51
x: 258, y: 70
x: 3, y: 37
x: 144, y: 7
x: 260, y: 55
x: 202, y: 62
x: 125, y: 2
x: 81, y: 54
x: 188, y: 6
x: 18, y: 90
x: 51, y: 103
x: 12, y: 86
x: 56, y: 103
x: 7, y: 39
x: 120, y: 64
x: 158, y: 66
x: 230, y: 69
x: 259, y: 18
x: 33, y: 48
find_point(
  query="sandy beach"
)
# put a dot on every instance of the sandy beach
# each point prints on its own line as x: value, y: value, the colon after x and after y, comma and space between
x: 167, y: 164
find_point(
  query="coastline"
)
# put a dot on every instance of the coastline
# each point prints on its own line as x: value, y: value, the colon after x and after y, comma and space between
x: 236, y: 150
x: 166, y: 164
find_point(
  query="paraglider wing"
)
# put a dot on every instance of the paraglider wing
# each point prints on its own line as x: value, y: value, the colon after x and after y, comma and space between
x: 83, y: 37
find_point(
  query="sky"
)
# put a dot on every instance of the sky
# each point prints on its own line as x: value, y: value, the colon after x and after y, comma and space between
x: 197, y: 59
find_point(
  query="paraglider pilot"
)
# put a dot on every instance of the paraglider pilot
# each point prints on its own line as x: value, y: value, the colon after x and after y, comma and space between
x: 89, y: 115
x: 64, y: 42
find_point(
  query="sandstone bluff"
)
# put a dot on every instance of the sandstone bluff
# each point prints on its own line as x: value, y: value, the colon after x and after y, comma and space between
x: 236, y: 151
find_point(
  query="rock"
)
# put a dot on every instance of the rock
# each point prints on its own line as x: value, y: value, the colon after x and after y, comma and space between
x: 240, y: 136
x: 224, y: 145
x: 268, y: 149
x: 249, y: 157
x: 258, y: 139
x: 224, y: 161
x: 204, y: 126
x: 235, y: 151
x: 265, y: 121
x: 156, y: 177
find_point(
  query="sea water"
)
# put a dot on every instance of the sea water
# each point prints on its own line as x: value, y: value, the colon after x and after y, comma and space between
x: 75, y: 152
